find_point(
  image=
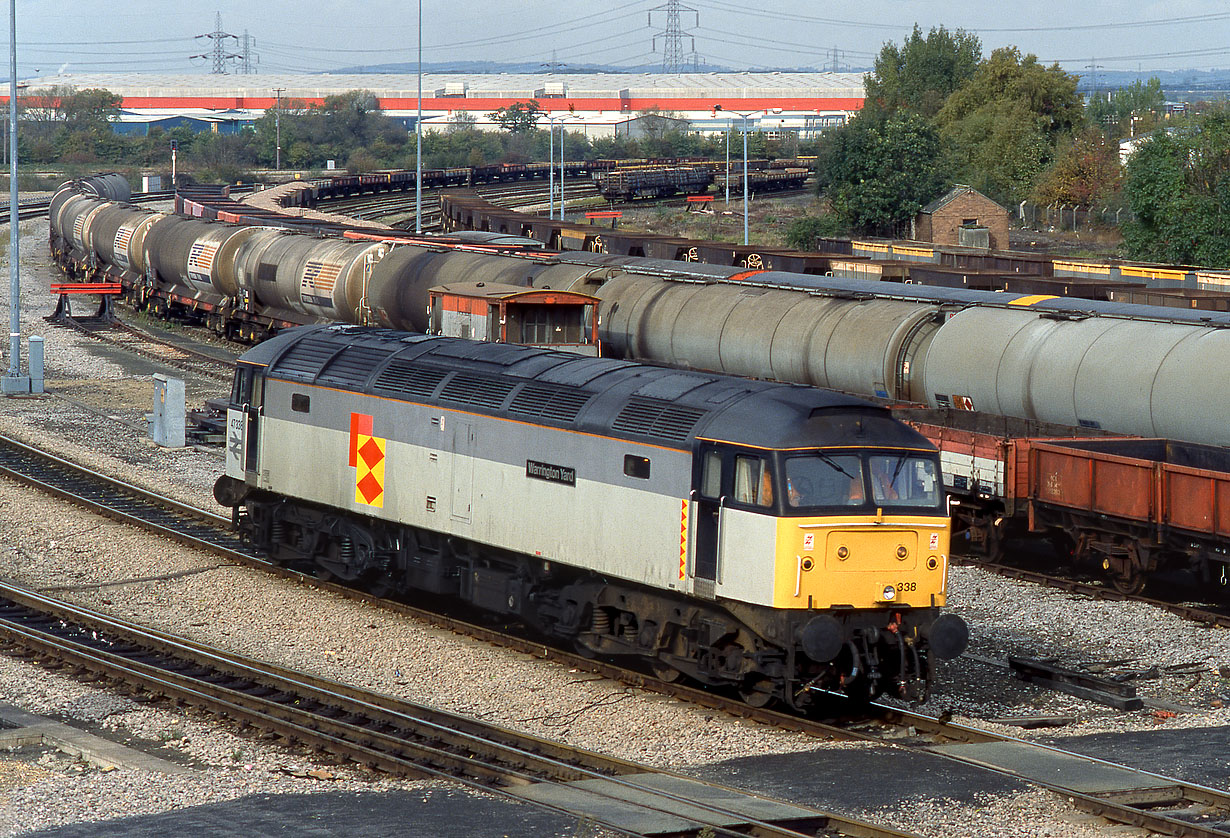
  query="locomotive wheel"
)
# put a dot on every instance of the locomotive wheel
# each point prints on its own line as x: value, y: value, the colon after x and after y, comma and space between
x: 1130, y: 583
x: 756, y: 691
x: 664, y: 671
x: 380, y: 585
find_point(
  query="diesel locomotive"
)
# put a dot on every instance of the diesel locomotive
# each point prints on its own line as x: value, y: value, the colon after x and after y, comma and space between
x: 768, y: 538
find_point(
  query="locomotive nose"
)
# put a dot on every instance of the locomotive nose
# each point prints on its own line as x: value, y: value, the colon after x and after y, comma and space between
x: 947, y: 636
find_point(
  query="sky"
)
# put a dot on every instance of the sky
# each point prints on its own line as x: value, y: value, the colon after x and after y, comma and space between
x: 306, y: 36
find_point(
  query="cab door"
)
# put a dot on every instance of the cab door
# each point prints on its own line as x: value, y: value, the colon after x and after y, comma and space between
x: 709, y: 486
x: 243, y: 424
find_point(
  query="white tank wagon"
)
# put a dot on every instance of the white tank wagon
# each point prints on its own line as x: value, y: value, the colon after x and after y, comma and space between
x: 1118, y: 367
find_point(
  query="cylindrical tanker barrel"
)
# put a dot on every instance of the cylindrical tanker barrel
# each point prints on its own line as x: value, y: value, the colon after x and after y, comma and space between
x: 584, y: 279
x: 400, y: 281
x: 397, y: 291
x: 209, y: 266
x: 853, y: 345
x: 182, y: 253
x: 224, y: 273
x: 75, y: 218
x: 252, y: 271
x: 62, y: 197
x: 109, y: 187
x: 319, y: 277
x: 129, y: 247
x: 104, y: 228
x: 1128, y: 376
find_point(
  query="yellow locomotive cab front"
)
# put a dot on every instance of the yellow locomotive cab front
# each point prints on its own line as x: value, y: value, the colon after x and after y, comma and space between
x: 863, y: 561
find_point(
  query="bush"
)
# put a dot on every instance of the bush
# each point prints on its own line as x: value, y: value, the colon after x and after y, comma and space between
x: 803, y: 232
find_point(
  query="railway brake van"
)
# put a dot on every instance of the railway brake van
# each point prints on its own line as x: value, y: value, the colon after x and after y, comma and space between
x: 769, y: 538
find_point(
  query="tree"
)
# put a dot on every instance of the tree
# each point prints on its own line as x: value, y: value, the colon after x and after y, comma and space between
x: 922, y: 73
x: 518, y: 117
x: 1005, y: 122
x: 1085, y: 172
x: 462, y: 121
x: 1178, y: 188
x: 878, y: 173
x: 1128, y: 111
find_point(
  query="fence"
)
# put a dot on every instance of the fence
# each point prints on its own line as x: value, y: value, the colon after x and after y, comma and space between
x: 1072, y: 217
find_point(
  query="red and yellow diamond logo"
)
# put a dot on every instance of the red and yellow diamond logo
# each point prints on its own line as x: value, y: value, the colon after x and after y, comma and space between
x: 367, y: 456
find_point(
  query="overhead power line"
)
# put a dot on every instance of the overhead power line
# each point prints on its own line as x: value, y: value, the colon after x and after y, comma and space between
x: 219, y: 55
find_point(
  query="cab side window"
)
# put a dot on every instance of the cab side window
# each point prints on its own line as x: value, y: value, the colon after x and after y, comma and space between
x: 753, y: 481
x: 711, y: 475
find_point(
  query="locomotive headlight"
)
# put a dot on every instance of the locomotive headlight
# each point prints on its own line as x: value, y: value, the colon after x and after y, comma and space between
x: 902, y: 553
x: 890, y: 592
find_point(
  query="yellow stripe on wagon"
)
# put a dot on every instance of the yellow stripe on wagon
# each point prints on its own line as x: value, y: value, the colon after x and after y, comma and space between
x: 1036, y: 298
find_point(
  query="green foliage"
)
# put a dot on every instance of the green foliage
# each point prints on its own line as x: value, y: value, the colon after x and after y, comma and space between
x: 878, y: 173
x: 923, y: 72
x: 518, y: 117
x: 803, y: 232
x: 1005, y: 122
x: 1178, y: 188
x: 1128, y: 111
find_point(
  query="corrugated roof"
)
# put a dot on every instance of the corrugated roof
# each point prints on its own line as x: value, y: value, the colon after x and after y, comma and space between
x: 595, y: 85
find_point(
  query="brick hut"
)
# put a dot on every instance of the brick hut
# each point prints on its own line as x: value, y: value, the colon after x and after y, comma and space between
x: 964, y: 216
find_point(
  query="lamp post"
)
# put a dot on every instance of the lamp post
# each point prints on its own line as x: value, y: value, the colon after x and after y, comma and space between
x: 744, y: 115
x: 551, y: 167
x: 418, y: 138
x: 562, y: 122
x: 14, y: 383
x: 277, y: 129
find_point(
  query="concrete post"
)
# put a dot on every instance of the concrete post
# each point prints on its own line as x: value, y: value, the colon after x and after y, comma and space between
x: 169, y: 416
x: 36, y: 364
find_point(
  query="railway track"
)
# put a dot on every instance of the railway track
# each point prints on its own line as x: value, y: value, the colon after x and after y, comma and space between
x: 130, y: 338
x: 398, y: 209
x: 1118, y: 793
x: 395, y: 736
x: 1216, y: 616
x: 38, y: 208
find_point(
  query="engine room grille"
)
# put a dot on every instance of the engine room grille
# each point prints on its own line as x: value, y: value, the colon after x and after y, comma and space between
x: 556, y: 403
x: 353, y: 366
x: 657, y: 419
x: 477, y: 390
x: 404, y: 379
x: 306, y: 359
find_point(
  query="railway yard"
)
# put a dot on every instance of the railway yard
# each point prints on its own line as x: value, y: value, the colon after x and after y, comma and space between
x: 203, y: 773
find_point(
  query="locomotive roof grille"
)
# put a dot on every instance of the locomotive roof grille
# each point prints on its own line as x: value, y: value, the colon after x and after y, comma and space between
x: 592, y: 395
x: 654, y: 418
x: 403, y: 379
x: 307, y: 358
x: 546, y: 402
x: 354, y: 363
x: 479, y: 390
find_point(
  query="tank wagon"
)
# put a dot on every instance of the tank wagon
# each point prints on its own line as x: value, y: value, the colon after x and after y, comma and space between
x: 1096, y: 365
x: 1148, y: 371
x: 770, y: 538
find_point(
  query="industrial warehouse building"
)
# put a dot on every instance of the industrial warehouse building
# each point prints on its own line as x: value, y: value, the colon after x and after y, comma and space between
x: 776, y: 103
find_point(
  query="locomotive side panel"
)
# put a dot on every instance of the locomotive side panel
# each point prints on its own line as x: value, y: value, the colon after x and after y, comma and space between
x: 468, y: 476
